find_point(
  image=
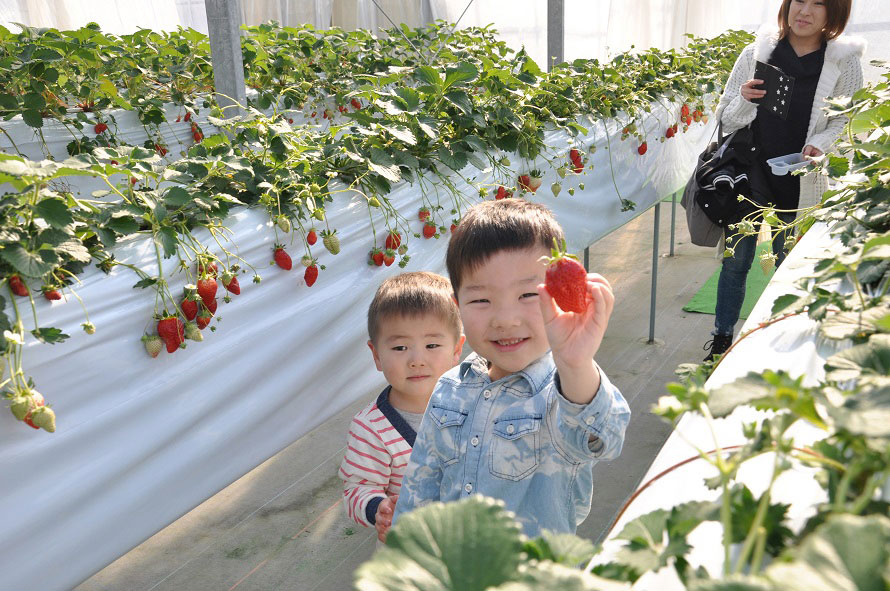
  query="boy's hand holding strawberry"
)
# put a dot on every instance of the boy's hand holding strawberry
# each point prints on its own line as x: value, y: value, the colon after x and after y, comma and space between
x: 575, y: 337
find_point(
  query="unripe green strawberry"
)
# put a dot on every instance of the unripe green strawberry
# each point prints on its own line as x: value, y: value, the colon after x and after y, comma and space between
x: 192, y: 332
x: 306, y: 260
x: 318, y: 214
x: 403, y: 249
x: 556, y: 188
x: 21, y: 406
x: 153, y: 344
x: 767, y: 262
x: 331, y: 241
x: 44, y: 418
x: 36, y: 402
x: 88, y: 327
x: 283, y: 223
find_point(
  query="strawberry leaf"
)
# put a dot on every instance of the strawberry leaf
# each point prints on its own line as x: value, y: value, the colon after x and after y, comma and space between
x: 49, y: 335
x: 54, y: 212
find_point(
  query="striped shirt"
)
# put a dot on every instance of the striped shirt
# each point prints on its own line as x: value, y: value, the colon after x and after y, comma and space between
x: 377, y: 450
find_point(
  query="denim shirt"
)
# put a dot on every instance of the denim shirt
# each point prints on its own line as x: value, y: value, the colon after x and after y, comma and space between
x: 517, y: 439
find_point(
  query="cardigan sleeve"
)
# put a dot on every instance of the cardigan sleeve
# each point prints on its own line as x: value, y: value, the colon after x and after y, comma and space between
x: 736, y: 112
x: 849, y: 81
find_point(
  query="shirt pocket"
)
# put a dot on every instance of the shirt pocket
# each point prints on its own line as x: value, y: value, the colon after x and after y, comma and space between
x: 449, y: 424
x: 515, y: 446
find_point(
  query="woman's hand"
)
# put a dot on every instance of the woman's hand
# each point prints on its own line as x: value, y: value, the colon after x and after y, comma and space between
x: 811, y: 151
x: 748, y: 91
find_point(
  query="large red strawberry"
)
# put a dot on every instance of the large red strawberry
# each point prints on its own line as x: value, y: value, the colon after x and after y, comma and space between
x: 18, y: 286
x: 282, y: 259
x: 575, y: 155
x: 642, y: 149
x: 207, y: 287
x: 230, y: 282
x: 311, y: 237
x: 393, y: 240
x: 51, y: 293
x: 203, y: 318
x: 669, y: 133
x: 525, y: 182
x: 429, y: 230
x: 189, y: 305
x: 566, y: 280
x: 376, y: 257
x: 99, y: 128
x: 310, y: 275
x: 684, y: 111
x: 503, y: 193
x: 389, y: 256
x: 423, y: 214
x: 171, y: 330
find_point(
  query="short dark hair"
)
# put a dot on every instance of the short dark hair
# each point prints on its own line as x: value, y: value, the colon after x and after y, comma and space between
x: 492, y: 226
x: 410, y: 295
x: 837, y: 14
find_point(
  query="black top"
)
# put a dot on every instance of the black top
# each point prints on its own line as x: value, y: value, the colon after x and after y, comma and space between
x: 778, y: 137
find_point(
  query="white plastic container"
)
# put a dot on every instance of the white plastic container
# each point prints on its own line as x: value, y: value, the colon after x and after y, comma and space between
x: 782, y: 165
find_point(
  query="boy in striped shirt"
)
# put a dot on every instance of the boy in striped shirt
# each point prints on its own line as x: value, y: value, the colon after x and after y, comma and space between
x: 415, y: 336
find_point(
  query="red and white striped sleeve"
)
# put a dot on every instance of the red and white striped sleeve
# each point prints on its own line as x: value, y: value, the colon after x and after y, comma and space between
x: 366, y: 470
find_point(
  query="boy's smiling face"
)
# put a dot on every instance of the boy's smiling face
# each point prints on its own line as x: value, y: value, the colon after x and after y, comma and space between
x: 413, y: 352
x: 500, y: 311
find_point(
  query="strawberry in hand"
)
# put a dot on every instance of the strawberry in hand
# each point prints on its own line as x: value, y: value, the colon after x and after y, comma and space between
x: 566, y: 280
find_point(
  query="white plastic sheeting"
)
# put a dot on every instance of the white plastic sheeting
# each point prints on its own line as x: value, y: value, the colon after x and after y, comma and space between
x: 141, y: 441
x: 792, y: 345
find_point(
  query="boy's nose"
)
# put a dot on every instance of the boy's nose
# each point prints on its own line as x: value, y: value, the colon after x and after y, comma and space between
x: 505, y: 317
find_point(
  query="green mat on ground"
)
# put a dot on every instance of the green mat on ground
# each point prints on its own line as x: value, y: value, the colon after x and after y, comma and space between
x: 705, y: 300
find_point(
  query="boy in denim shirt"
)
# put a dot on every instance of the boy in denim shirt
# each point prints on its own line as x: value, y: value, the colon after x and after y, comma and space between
x: 526, y: 416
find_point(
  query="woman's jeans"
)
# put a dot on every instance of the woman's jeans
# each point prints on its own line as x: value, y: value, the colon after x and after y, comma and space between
x: 731, y: 285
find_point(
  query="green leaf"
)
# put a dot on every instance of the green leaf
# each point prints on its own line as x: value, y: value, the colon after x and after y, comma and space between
x: 462, y: 73
x: 790, y: 302
x: 429, y: 76
x: 55, y: 212
x: 34, y: 101
x: 547, y: 576
x: 846, y: 325
x: 177, y: 197
x: 733, y: 583
x: 470, y: 545
x: 26, y: 263
x: 866, y: 414
x: 871, y: 358
x: 143, y: 283
x: 384, y: 164
x: 410, y: 99
x: 75, y: 250
x: 123, y: 224
x: 402, y: 133
x: 50, y: 335
x: 428, y: 126
x: 461, y: 100
x: 847, y: 552
x: 166, y: 237
x: 455, y: 160
x: 32, y: 118
x: 565, y: 549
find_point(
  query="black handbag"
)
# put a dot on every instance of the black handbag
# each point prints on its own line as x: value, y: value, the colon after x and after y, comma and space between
x: 722, y: 173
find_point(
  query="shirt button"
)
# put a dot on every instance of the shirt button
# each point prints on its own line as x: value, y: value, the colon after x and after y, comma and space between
x: 468, y: 488
x: 486, y: 394
x: 474, y: 441
x: 510, y: 428
x: 589, y: 420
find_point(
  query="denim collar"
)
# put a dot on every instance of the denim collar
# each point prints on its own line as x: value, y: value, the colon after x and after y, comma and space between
x: 538, y: 373
x: 395, y: 417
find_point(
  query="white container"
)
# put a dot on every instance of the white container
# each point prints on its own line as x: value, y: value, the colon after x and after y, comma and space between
x: 782, y: 165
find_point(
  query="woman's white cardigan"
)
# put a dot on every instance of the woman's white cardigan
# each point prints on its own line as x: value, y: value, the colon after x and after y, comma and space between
x: 841, y: 76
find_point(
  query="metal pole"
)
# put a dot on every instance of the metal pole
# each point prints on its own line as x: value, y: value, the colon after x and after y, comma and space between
x: 223, y: 24
x: 556, y: 20
x: 654, y: 289
x: 587, y: 258
x: 673, y: 220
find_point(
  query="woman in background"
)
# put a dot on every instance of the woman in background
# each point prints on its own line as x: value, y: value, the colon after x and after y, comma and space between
x: 810, y: 47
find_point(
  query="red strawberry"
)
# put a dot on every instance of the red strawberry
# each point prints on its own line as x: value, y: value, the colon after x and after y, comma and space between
x: 376, y: 256
x: 393, y: 240
x: 314, y: 113
x: 310, y: 275
x: 290, y: 120
x: 153, y: 344
x: 525, y: 182
x: 502, y: 193
x: 311, y: 237
x: 566, y: 281
x: 355, y: 104
x: 99, y: 128
x: 211, y: 305
x: 534, y: 182
x: 51, y: 293
x: 684, y: 111
x: 189, y: 308
x: 171, y: 330
x: 198, y: 136
x: 578, y: 168
x: 642, y: 149
x: 18, y: 286
x: 282, y: 259
x: 669, y: 133
x: 453, y: 226
x: 187, y: 117
x: 429, y: 230
x: 423, y: 214
x: 36, y: 402
x: 133, y: 180
x: 389, y: 256
x: 160, y: 149
x: 696, y: 115
x: 688, y: 120
x: 230, y: 282
x: 207, y: 287
x: 114, y: 162
x: 208, y: 268
x: 575, y: 155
